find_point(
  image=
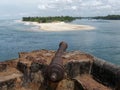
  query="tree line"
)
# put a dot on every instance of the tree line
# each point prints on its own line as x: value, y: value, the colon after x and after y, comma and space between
x: 49, y: 19
x: 108, y: 17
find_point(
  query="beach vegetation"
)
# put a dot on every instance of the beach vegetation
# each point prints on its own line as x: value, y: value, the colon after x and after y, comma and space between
x: 50, y: 19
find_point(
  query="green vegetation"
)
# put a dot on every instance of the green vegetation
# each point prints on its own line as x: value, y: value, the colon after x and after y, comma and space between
x: 50, y: 19
x: 109, y: 17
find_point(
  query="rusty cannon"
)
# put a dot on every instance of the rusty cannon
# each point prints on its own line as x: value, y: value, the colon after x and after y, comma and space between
x: 55, y: 71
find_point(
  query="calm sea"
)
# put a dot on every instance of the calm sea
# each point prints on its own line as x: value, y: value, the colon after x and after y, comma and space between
x: 103, y: 42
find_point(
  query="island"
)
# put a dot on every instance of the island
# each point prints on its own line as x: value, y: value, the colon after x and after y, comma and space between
x: 108, y: 17
x: 57, y: 23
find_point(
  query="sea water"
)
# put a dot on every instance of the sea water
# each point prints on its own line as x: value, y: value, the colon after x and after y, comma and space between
x: 103, y: 42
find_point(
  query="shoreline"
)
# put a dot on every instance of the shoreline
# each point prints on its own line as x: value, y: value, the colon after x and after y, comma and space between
x: 59, y: 26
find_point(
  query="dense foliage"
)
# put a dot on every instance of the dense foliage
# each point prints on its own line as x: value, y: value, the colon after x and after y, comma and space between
x: 49, y: 19
x: 109, y: 17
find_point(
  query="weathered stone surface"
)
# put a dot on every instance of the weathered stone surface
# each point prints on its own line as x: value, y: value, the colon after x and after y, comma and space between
x: 74, y: 68
x: 25, y: 70
x: 47, y: 54
x: 23, y: 54
x: 118, y: 81
x: 106, y: 73
x: 77, y: 85
x: 86, y: 82
x: 31, y: 66
x: 97, y: 68
x: 35, y: 67
x: 65, y: 85
x: 9, y: 84
x: 22, y: 67
x: 3, y: 67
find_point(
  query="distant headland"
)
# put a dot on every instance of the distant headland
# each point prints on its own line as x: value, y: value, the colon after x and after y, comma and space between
x: 108, y: 17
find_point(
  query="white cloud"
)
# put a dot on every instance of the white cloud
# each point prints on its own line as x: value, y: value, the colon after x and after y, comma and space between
x: 47, y: 6
x: 108, y: 7
x: 86, y: 7
x: 74, y: 7
x: 42, y: 7
x: 61, y: 7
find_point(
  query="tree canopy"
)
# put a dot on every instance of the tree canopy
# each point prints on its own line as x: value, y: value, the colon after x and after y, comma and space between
x: 109, y: 17
x: 49, y: 19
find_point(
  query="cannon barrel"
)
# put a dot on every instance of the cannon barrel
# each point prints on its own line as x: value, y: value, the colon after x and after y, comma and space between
x: 55, y: 71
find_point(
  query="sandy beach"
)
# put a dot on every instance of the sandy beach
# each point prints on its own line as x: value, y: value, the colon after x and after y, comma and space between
x: 60, y: 26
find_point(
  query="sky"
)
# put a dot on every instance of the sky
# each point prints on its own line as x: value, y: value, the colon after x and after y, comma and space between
x: 20, y: 8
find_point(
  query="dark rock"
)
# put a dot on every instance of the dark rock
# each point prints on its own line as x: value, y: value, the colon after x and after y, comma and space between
x: 21, y: 67
x: 4, y: 87
x: 34, y: 67
x: 24, y: 69
x: 3, y: 67
x: 8, y: 85
x: 97, y: 69
x: 105, y: 73
x: 118, y: 81
x: 74, y: 68
x: 78, y: 85
x: 11, y: 84
x: 85, y: 67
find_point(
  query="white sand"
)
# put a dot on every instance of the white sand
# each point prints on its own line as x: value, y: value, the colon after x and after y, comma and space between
x: 60, y: 26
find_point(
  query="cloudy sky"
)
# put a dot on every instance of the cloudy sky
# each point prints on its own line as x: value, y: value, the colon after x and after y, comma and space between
x: 20, y: 8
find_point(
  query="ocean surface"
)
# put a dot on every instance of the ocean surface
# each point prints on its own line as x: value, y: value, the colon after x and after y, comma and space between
x: 103, y: 42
